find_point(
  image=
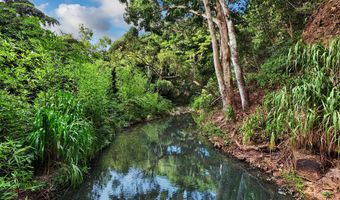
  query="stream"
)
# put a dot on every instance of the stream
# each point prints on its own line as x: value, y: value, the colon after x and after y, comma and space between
x: 168, y: 159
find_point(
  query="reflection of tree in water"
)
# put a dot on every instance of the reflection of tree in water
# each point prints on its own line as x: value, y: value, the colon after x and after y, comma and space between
x: 165, y: 159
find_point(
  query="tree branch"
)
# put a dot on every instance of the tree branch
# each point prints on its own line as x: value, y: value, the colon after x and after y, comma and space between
x: 190, y: 11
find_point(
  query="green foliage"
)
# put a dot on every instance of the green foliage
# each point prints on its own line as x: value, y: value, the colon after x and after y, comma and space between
x: 210, y: 130
x: 137, y: 96
x: 268, y: 24
x: 295, y: 180
x: 252, y: 127
x: 16, y: 171
x: 308, y: 108
x: 203, y: 102
x: 15, y: 116
x: 327, y: 194
x: 94, y: 85
x: 164, y: 87
x: 230, y: 114
x: 61, y: 133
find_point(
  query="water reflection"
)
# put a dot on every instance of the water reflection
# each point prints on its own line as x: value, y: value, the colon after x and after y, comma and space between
x: 167, y: 160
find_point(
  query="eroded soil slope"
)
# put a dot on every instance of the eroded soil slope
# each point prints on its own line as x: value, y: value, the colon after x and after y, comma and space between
x: 324, y: 23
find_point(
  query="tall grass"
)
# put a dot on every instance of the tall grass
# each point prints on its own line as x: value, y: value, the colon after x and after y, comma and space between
x: 308, y: 109
x: 61, y: 134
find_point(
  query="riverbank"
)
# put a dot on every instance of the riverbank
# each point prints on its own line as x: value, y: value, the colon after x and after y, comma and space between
x: 52, y: 191
x: 306, y: 175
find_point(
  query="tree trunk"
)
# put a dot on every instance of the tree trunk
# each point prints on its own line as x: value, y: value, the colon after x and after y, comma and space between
x: 225, y: 55
x: 234, y: 56
x: 217, y: 64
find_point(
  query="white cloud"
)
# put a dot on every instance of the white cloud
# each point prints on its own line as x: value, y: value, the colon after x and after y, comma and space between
x: 100, y: 19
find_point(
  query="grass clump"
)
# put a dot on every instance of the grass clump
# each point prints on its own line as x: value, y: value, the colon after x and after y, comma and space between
x: 308, y: 109
x: 61, y: 135
x: 295, y: 180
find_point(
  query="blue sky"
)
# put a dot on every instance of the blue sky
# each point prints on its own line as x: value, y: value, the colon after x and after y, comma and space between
x: 104, y: 17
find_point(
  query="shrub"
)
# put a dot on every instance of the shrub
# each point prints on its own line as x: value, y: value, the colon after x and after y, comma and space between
x: 230, y: 114
x: 212, y: 130
x: 295, y: 180
x: 138, y: 100
x: 15, y: 116
x: 203, y: 101
x: 252, y: 127
x: 16, y: 169
x: 94, y: 86
x: 164, y: 87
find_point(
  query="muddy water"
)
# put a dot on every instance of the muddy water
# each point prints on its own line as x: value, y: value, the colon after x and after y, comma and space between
x: 167, y: 159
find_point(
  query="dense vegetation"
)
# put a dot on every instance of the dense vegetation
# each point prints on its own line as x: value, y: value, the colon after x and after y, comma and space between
x: 62, y: 99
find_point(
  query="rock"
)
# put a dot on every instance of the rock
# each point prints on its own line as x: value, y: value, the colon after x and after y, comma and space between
x: 307, y: 166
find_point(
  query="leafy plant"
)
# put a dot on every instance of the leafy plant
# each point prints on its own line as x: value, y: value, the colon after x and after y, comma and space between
x: 253, y: 127
x: 327, y: 194
x: 16, y: 170
x: 203, y: 101
x: 309, y: 107
x: 61, y: 133
x: 210, y: 130
x: 230, y: 114
x: 294, y: 179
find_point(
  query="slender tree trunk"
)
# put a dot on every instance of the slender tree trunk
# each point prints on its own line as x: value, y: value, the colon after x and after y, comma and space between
x: 234, y: 56
x: 217, y: 64
x: 225, y: 55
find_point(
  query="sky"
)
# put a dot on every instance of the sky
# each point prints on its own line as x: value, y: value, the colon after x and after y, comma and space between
x: 104, y: 17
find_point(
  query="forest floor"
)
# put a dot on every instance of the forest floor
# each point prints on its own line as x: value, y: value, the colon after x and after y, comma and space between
x: 303, y: 173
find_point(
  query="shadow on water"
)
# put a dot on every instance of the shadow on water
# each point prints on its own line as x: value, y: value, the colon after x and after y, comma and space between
x: 166, y: 159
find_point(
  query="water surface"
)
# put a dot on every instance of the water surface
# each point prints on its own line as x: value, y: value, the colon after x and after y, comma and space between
x: 167, y: 159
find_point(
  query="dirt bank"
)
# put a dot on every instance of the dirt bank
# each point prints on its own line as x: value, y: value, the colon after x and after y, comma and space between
x: 324, y: 24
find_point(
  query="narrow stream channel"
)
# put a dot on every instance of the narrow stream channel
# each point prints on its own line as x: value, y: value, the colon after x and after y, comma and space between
x: 167, y: 159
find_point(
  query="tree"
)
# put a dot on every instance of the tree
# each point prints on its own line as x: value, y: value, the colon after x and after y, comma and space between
x: 27, y: 9
x: 234, y: 56
x: 154, y: 15
x: 222, y: 74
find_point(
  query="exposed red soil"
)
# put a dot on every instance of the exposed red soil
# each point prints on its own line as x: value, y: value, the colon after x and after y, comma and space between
x: 309, y: 167
x: 324, y: 23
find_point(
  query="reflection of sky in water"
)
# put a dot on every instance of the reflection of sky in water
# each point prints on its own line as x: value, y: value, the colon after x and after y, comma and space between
x: 173, y: 150
x: 134, y: 183
x: 166, y: 160
x: 204, y: 152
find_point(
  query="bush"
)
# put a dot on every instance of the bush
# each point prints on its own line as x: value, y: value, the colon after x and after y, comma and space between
x: 136, y: 95
x: 203, y: 101
x: 61, y: 133
x: 164, y: 87
x: 15, y: 116
x: 252, y: 127
x: 95, y: 83
x: 212, y: 130
x: 16, y: 169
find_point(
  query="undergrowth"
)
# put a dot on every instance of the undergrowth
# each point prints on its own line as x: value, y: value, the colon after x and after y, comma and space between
x: 307, y: 108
